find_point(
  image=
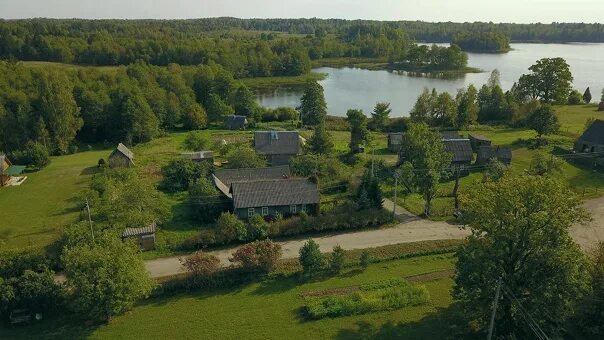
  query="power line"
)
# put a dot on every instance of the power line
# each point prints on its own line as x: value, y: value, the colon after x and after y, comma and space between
x: 525, y: 314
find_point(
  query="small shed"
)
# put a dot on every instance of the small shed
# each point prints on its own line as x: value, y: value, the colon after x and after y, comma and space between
x: 592, y: 140
x: 121, y: 157
x: 200, y: 156
x: 478, y: 141
x: 395, y: 140
x: 486, y: 153
x: 235, y: 122
x: 145, y: 236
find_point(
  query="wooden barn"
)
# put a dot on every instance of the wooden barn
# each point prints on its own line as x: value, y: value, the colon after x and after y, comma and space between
x: 145, y: 237
x: 121, y: 157
x: 9, y: 172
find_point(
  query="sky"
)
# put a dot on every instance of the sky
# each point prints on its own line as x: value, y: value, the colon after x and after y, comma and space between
x: 518, y: 11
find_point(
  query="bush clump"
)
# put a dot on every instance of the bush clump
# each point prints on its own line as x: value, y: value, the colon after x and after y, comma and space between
x: 379, y: 296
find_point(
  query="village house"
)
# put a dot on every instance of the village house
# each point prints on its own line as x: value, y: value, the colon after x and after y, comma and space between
x: 591, y: 143
x: 121, y: 157
x: 235, y: 122
x: 200, y: 156
x: 486, y: 153
x: 462, y: 155
x: 223, y: 178
x: 478, y: 141
x: 275, y: 196
x: 144, y: 237
x: 395, y: 141
x: 9, y: 172
x: 277, y: 146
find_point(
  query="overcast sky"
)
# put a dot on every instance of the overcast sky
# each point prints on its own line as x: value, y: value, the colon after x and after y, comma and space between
x: 545, y: 11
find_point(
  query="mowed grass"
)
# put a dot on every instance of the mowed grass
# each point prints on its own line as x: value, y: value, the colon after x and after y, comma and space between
x: 271, y: 310
x: 34, y: 212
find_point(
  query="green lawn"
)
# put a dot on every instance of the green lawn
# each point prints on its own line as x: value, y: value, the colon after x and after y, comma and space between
x: 270, y: 310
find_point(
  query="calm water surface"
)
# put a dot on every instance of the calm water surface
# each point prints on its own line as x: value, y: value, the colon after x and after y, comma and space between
x: 347, y: 88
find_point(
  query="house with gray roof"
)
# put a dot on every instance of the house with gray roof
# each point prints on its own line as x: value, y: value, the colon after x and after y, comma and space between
x: 121, y: 157
x: 235, y: 122
x: 462, y: 154
x: 223, y: 178
x: 592, y: 140
x: 274, y: 196
x: 479, y: 141
x: 486, y: 153
x: 277, y: 146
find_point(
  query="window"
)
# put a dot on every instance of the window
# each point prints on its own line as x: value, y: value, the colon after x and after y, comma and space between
x: 292, y: 209
x: 303, y: 209
x: 250, y: 212
x: 593, y: 149
x: 264, y: 211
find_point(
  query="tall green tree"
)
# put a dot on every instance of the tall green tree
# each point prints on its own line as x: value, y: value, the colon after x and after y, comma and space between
x: 359, y: 134
x: 62, y: 115
x: 313, y: 107
x: 520, y: 234
x: 379, y: 116
x: 423, y: 107
x: 467, y: 107
x: 551, y: 80
x: 243, y: 102
x: 587, y: 96
x: 320, y: 142
x: 423, y: 153
x: 105, y: 278
x: 543, y: 120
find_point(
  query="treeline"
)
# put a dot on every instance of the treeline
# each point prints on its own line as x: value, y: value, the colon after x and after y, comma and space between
x: 55, y: 108
x: 482, y: 41
x: 206, y: 41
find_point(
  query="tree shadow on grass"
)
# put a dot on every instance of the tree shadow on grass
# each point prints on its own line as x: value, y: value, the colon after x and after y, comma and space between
x: 277, y: 285
x: 91, y: 170
x: 445, y: 323
x: 66, y: 326
x: 352, y: 273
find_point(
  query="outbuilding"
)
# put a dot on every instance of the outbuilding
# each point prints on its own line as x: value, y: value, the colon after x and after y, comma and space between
x: 9, y: 173
x: 145, y: 236
x: 478, y: 141
x: 277, y: 146
x: 395, y: 141
x: 235, y: 122
x: 121, y: 157
x: 462, y: 155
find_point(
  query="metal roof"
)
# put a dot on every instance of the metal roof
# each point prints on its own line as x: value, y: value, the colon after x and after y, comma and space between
x: 277, y: 142
x: 14, y: 170
x: 150, y: 229
x: 121, y: 148
x: 460, y: 148
x: 223, y: 178
x: 450, y: 135
x: 594, y: 133
x: 272, y: 193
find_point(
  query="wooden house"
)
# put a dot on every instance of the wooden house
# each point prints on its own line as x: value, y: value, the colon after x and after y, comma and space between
x: 277, y: 146
x: 275, y: 196
x: 462, y: 155
x: 395, y: 141
x: 486, y: 153
x: 591, y: 143
x: 121, y: 157
x: 8, y: 171
x: 235, y: 122
x: 478, y: 141
x: 145, y: 237
x: 223, y: 178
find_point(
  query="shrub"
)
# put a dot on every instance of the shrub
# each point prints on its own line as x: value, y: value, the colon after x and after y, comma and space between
x: 244, y: 157
x: 201, y: 265
x: 381, y: 296
x: 311, y: 259
x: 205, y: 202
x: 196, y: 141
x: 259, y: 256
x: 337, y: 259
x: 231, y: 228
x: 575, y: 98
x: 180, y: 173
x: 101, y: 163
x: 257, y: 228
x: 365, y: 259
x: 34, y: 155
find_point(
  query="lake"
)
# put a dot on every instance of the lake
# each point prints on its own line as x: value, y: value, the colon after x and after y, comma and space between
x: 347, y: 88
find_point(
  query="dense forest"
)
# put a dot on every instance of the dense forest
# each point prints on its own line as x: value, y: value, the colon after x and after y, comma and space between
x: 194, y: 42
x: 482, y: 42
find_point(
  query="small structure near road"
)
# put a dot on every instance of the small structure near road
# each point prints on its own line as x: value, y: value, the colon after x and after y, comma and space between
x: 277, y: 146
x: 272, y: 197
x: 235, y: 122
x: 145, y: 236
x: 121, y: 157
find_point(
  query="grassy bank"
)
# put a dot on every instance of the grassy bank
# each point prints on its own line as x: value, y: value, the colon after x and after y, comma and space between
x: 383, y: 64
x: 260, y: 83
x: 271, y: 310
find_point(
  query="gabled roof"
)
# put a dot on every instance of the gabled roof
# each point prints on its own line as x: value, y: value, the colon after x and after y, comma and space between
x: 488, y: 152
x: 480, y: 138
x: 460, y: 148
x: 199, y: 155
x: 225, y: 177
x: 270, y: 193
x: 594, y: 133
x: 148, y: 230
x: 235, y: 122
x: 277, y: 142
x: 121, y: 148
x: 450, y: 135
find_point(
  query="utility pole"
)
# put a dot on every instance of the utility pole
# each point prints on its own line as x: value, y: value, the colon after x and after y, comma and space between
x: 395, y: 190
x: 89, y: 219
x: 372, y: 160
x: 495, y: 303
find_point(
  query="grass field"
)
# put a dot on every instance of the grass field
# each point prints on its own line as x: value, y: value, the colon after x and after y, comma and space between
x: 271, y: 310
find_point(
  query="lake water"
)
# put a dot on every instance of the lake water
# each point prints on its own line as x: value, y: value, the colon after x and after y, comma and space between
x: 348, y: 88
